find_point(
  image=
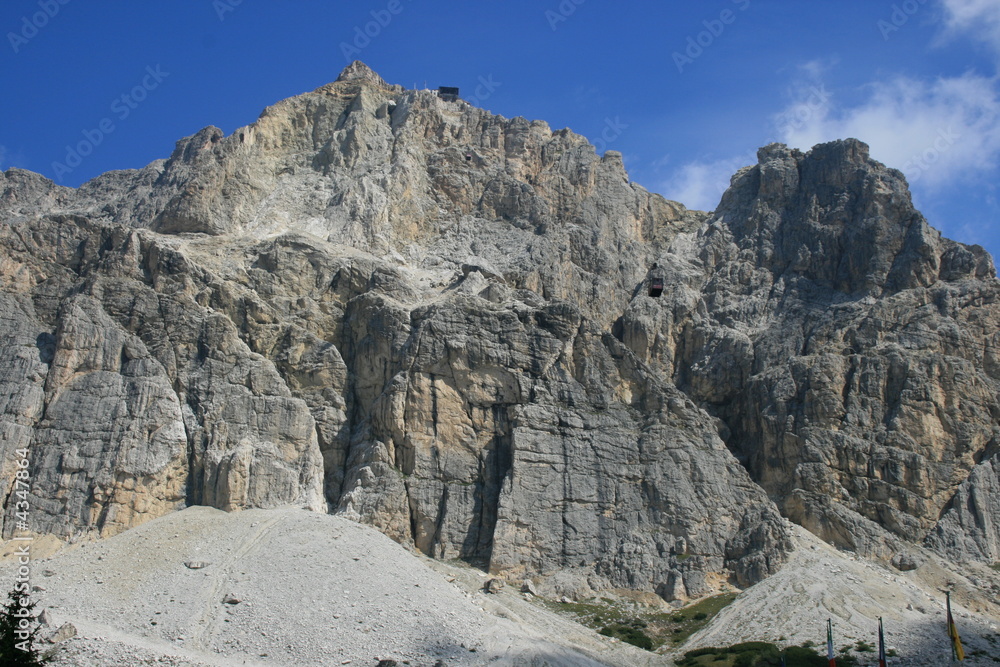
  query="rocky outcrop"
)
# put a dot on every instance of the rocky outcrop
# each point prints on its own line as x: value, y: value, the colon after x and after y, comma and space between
x: 434, y: 320
x: 969, y: 525
x: 845, y: 344
x: 523, y: 438
x: 133, y: 401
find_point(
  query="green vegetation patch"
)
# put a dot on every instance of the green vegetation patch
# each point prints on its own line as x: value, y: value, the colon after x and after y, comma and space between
x: 648, y: 630
x: 628, y: 633
x: 753, y: 654
x: 864, y: 647
x: 579, y: 608
x: 679, y: 625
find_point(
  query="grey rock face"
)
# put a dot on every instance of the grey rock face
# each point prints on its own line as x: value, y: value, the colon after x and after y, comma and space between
x: 970, y: 523
x: 434, y: 320
x: 847, y: 347
x: 133, y: 402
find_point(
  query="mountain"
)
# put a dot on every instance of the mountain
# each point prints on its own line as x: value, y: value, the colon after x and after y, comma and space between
x: 434, y: 320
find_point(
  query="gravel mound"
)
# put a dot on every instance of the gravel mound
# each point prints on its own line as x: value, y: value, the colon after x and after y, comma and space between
x: 282, y: 587
x: 820, y: 582
x: 289, y: 588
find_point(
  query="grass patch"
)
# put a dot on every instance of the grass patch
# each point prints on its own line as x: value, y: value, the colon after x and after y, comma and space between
x: 628, y: 633
x: 996, y: 566
x: 630, y: 624
x: 678, y: 626
x: 862, y: 646
x: 753, y: 654
x: 579, y: 608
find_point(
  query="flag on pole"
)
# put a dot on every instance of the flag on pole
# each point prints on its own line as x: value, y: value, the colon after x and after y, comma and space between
x: 829, y: 643
x: 957, y: 653
x: 881, y: 644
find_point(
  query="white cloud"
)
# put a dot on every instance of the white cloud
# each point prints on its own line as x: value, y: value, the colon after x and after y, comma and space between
x: 935, y: 132
x: 980, y: 18
x: 939, y: 132
x: 699, y: 185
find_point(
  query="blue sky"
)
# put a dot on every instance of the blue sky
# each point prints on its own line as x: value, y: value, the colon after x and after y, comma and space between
x: 686, y: 91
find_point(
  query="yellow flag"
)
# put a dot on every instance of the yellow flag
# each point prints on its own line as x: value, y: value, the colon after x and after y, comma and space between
x: 956, y: 642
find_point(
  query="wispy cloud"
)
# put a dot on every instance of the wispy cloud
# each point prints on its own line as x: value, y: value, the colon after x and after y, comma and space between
x: 934, y: 131
x: 939, y: 132
x: 978, y: 18
x: 699, y: 185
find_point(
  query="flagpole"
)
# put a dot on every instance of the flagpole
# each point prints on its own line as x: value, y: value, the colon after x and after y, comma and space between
x: 829, y: 643
x: 881, y: 645
x: 951, y: 636
x: 957, y: 652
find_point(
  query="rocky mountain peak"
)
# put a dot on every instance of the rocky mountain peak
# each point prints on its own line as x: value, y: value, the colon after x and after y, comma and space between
x: 358, y: 71
x: 837, y: 218
x: 436, y: 320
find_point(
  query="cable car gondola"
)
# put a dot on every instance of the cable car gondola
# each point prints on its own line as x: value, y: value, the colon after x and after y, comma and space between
x: 655, y: 286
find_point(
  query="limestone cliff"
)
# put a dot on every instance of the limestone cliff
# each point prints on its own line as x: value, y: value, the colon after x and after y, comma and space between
x: 415, y: 313
x: 850, y: 350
